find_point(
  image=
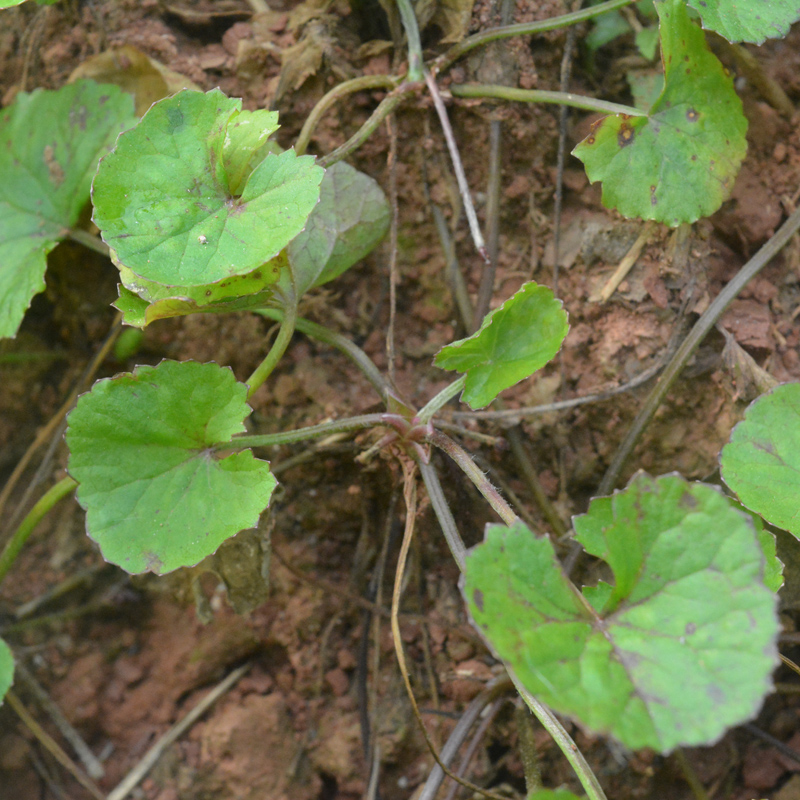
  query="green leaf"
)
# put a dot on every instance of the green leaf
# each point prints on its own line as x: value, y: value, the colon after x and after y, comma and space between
x: 157, y: 495
x: 773, y: 566
x: 677, y: 650
x: 761, y: 462
x: 133, y: 308
x: 605, y: 29
x: 166, y: 204
x: 646, y: 87
x: 748, y: 20
x: 647, y: 42
x: 50, y: 143
x: 350, y: 220
x: 514, y: 341
x: 678, y: 163
x: 246, y: 145
x: 6, y: 669
x: 143, y: 302
x: 773, y: 571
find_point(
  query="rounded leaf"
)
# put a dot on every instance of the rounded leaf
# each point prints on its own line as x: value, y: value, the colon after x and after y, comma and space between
x: 173, y: 202
x: 351, y: 218
x: 157, y: 494
x: 678, y: 649
x: 678, y: 163
x: 514, y: 341
x: 761, y: 462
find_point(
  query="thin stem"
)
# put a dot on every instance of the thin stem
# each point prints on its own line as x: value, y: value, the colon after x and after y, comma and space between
x: 486, y: 287
x: 538, y: 96
x: 410, y: 497
x: 513, y: 415
x: 524, y: 29
x: 322, y: 334
x: 385, y: 107
x: 285, y: 333
x: 470, y: 469
x: 27, y: 526
x: 493, y: 690
x: 53, y: 747
x: 443, y: 514
x: 394, y: 278
x: 92, y: 764
x: 695, y: 336
x: 48, y: 432
x: 360, y: 84
x: 303, y: 434
x: 433, y: 405
x: 409, y: 20
x: 87, y: 240
x: 458, y: 167
x: 389, y: 103
x: 582, y: 769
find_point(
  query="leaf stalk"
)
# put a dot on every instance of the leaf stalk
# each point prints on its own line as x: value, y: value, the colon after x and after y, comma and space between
x: 304, y: 434
x: 470, y: 469
x: 285, y: 333
x: 594, y: 791
x: 479, y: 90
x: 27, y: 526
x: 433, y: 405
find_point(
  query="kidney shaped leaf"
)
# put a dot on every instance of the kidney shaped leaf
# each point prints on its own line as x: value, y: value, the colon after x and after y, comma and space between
x: 514, y: 341
x: 761, y: 462
x: 748, y: 20
x: 173, y: 201
x: 678, y: 163
x: 6, y: 669
x: 351, y: 218
x: 50, y: 143
x: 157, y: 494
x: 678, y: 649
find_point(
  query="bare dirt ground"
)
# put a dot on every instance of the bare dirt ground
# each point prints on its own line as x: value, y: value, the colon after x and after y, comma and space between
x: 126, y: 658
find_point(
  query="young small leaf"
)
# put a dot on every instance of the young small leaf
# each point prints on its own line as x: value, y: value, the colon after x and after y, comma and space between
x: 157, y: 496
x: 678, y: 163
x: 246, y: 145
x: 647, y: 42
x: 166, y: 204
x: 6, y: 669
x: 748, y: 20
x: 47, y: 170
x: 514, y: 341
x: 678, y: 649
x: 351, y: 218
x: 761, y: 462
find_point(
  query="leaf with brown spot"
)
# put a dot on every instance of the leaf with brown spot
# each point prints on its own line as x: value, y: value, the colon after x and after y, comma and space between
x: 678, y: 648
x: 677, y: 164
